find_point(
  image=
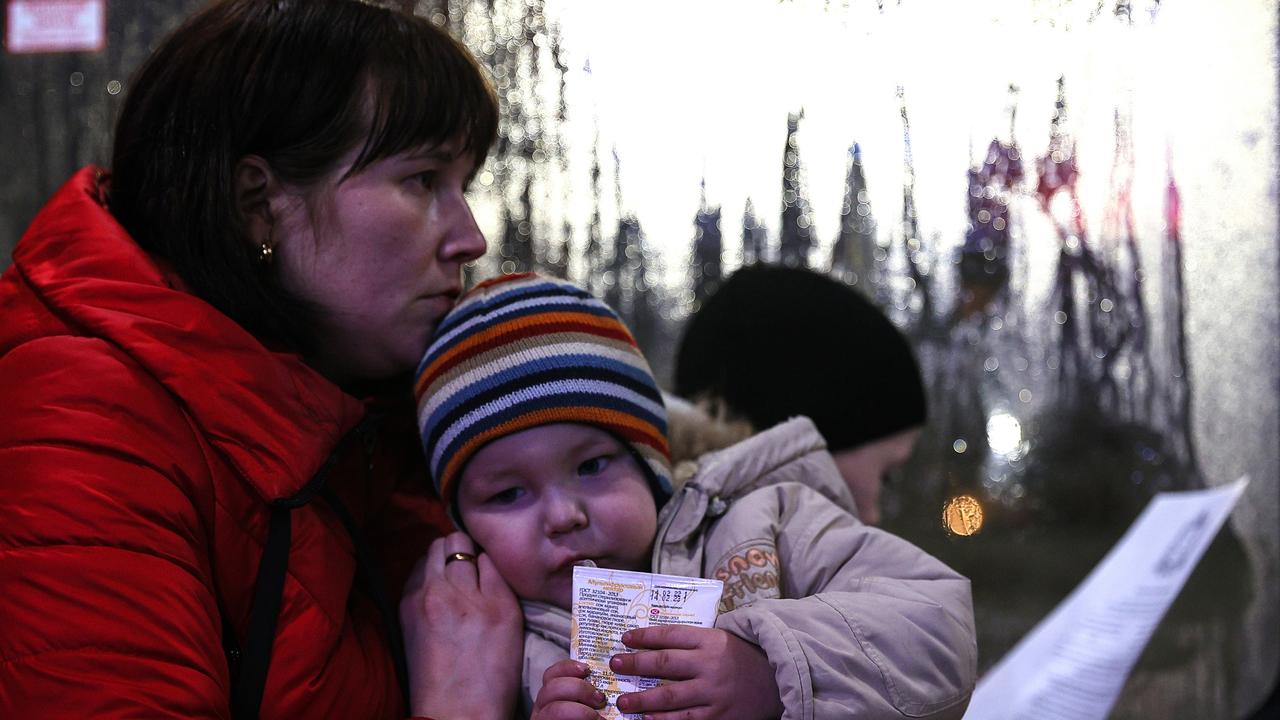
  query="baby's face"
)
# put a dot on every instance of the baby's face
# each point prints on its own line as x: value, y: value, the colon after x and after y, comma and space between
x: 542, y: 499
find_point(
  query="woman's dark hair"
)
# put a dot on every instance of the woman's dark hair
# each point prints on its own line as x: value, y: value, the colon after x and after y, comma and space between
x: 299, y: 83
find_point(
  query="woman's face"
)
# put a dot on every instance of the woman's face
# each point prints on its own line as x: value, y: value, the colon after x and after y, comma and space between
x: 865, y: 466
x: 380, y: 254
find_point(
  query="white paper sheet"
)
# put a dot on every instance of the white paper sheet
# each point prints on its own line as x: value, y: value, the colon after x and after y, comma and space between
x: 1073, y: 664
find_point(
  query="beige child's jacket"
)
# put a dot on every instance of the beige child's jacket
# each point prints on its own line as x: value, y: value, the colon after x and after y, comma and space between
x: 856, y: 622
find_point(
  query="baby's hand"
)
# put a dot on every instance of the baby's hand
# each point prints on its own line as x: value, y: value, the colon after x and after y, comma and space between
x: 566, y: 695
x: 710, y: 673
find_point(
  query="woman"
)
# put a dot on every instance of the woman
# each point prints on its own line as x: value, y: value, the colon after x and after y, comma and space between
x: 205, y: 454
x: 774, y: 342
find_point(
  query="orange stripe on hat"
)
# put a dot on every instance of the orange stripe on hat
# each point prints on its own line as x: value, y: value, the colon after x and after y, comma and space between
x: 517, y: 329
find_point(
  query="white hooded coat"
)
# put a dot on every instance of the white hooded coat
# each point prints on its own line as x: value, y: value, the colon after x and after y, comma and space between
x: 856, y: 622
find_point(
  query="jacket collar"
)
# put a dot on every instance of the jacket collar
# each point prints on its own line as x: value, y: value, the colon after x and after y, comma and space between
x: 722, y: 476
x: 273, y: 417
x: 754, y: 462
x: 547, y: 621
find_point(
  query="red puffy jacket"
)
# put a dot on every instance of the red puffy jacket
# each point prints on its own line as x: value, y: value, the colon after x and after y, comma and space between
x: 143, y: 435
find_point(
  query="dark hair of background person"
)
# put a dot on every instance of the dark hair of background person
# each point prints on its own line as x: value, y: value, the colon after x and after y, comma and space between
x: 774, y: 342
x: 274, y: 79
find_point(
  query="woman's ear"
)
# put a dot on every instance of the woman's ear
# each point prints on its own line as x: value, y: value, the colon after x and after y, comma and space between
x: 255, y: 185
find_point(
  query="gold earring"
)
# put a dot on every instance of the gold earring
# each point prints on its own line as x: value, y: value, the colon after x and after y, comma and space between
x: 266, y: 251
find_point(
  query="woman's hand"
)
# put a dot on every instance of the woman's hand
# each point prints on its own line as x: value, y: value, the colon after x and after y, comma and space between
x: 566, y: 695
x: 463, y: 635
x: 710, y: 673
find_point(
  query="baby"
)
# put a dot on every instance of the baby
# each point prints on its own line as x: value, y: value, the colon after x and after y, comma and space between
x: 545, y: 433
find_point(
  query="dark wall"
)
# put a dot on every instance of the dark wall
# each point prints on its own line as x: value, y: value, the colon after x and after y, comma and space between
x: 57, y: 109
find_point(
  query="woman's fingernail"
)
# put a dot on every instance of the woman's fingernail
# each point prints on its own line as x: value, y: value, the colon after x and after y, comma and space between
x: 615, y: 662
x: 626, y: 638
x: 599, y: 699
x: 583, y: 668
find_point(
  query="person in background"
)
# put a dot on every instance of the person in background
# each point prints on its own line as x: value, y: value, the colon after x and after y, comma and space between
x: 775, y: 342
x: 208, y: 467
x: 544, y: 430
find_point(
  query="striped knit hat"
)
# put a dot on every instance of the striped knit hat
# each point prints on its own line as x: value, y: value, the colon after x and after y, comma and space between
x: 520, y: 351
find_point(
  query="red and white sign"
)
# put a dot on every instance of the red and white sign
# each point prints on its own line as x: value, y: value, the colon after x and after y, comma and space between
x: 40, y: 26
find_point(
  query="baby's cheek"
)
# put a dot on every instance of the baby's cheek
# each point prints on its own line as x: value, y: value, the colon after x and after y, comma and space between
x: 516, y: 570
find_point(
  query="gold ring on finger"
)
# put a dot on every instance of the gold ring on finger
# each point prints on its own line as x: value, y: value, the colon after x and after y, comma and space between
x: 468, y: 557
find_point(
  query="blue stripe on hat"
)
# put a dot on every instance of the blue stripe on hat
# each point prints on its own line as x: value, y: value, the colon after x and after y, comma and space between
x: 594, y: 367
x: 490, y: 416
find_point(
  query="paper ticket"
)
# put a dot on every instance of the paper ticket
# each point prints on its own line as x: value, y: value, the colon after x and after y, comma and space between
x: 607, y: 603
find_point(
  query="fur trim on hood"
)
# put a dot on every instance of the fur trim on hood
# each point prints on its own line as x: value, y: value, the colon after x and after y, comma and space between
x: 696, y: 429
